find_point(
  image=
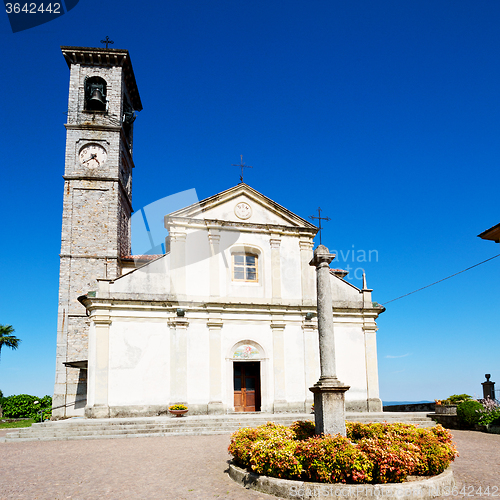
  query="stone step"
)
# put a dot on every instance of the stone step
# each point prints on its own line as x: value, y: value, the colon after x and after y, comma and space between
x: 80, y: 428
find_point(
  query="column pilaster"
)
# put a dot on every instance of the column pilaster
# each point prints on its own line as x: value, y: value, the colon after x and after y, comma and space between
x: 275, y: 243
x: 214, y: 241
x: 307, y: 280
x: 100, y: 359
x: 278, y: 329
x: 215, y: 405
x: 178, y: 360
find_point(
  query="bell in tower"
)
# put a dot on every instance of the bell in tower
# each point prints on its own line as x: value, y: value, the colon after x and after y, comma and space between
x: 95, y: 94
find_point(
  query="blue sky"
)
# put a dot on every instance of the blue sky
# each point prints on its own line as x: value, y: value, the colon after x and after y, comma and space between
x: 386, y: 114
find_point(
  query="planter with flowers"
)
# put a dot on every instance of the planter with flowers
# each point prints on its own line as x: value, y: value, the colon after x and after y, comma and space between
x: 178, y: 410
x: 449, y: 406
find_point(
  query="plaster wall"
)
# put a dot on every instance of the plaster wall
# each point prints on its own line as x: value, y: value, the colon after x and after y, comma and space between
x: 139, y: 353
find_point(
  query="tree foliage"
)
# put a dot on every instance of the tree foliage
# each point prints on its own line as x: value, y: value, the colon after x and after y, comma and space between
x: 7, y: 338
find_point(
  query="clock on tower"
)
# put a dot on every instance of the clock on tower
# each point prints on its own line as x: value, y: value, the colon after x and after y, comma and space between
x: 102, y: 106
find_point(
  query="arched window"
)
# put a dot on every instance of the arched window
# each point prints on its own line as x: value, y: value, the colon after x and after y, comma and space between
x: 95, y: 94
x: 245, y: 267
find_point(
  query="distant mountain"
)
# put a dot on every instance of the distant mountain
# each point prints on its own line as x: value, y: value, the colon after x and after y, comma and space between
x: 392, y: 403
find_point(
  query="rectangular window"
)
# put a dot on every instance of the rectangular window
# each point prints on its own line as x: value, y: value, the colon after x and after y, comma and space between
x: 245, y: 267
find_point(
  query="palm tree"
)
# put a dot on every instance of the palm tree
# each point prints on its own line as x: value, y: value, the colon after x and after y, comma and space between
x: 7, y: 339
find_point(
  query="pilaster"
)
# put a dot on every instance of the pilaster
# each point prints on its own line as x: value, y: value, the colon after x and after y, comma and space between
x: 373, y: 399
x: 214, y: 241
x: 275, y: 243
x: 215, y: 405
x: 178, y: 263
x: 99, y: 360
x: 307, y: 279
x: 278, y: 329
x: 178, y: 359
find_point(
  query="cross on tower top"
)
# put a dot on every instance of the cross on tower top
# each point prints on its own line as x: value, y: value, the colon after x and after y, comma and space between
x: 312, y: 217
x: 107, y: 41
x: 242, y: 166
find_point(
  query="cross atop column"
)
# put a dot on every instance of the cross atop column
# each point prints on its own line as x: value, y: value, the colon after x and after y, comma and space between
x: 312, y: 217
x: 107, y: 41
x: 242, y: 166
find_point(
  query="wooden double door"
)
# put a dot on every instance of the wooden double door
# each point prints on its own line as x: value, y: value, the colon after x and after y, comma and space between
x: 246, y: 386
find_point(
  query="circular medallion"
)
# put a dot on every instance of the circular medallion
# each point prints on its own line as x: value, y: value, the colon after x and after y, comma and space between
x: 243, y: 210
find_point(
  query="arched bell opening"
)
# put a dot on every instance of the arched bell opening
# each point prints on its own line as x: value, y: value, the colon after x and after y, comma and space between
x: 95, y: 94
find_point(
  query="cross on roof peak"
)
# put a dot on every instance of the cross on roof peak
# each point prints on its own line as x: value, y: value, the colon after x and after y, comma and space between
x: 242, y: 166
x: 312, y: 217
x: 107, y: 41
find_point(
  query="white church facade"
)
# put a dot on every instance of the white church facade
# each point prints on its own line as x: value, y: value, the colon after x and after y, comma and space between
x: 224, y: 321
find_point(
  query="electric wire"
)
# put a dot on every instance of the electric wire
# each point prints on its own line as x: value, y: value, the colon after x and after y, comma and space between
x: 436, y: 282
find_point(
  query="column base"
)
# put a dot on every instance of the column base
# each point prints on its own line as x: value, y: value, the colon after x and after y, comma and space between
x: 281, y: 407
x: 216, y: 408
x: 374, y: 404
x: 97, y: 411
x: 329, y: 406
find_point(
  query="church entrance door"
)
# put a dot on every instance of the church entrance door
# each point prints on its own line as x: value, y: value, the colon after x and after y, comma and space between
x: 246, y: 386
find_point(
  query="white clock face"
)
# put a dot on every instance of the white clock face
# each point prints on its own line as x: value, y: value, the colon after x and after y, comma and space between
x: 92, y: 155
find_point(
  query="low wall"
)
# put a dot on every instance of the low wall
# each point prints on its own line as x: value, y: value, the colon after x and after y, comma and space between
x: 423, y: 489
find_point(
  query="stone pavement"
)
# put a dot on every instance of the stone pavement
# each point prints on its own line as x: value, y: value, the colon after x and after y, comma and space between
x: 177, y: 468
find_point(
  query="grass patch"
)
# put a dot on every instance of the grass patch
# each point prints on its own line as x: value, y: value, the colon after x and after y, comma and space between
x: 14, y: 425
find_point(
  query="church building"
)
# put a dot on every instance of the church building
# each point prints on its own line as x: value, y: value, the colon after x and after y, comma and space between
x: 224, y: 321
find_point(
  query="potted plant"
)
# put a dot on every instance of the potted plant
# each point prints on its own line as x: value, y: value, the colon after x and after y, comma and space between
x: 178, y: 410
x: 449, y: 406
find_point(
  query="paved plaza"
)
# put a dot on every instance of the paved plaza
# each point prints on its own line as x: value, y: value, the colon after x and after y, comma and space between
x: 177, y: 468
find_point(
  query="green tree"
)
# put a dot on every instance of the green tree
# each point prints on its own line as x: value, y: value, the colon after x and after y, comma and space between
x: 7, y: 339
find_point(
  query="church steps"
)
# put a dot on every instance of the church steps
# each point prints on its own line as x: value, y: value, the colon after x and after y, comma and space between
x: 80, y: 428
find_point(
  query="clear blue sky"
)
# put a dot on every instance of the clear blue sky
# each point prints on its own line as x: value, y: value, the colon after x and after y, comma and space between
x: 387, y: 114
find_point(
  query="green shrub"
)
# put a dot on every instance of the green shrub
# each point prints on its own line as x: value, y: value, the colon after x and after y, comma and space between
x: 378, y: 453
x: 333, y: 459
x: 458, y: 398
x: 243, y: 439
x: 393, y: 459
x: 23, y: 406
x: 469, y: 412
x: 275, y: 457
x: 303, y: 429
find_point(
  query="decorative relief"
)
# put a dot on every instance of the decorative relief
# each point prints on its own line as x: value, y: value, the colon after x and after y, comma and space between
x: 246, y: 352
x: 243, y: 210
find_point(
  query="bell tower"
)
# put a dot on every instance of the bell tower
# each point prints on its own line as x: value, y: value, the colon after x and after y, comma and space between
x: 103, y: 101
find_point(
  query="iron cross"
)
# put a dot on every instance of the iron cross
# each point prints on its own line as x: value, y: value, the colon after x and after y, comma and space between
x: 319, y: 219
x: 107, y: 41
x: 242, y: 166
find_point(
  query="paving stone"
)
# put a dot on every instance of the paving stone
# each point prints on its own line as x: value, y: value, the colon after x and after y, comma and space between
x: 174, y: 467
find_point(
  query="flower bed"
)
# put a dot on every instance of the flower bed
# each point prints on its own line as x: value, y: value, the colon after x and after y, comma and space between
x: 371, y: 453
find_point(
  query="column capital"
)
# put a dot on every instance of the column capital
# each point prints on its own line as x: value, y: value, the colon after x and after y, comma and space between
x: 322, y: 257
x: 275, y: 242
x: 178, y: 322
x: 214, y: 324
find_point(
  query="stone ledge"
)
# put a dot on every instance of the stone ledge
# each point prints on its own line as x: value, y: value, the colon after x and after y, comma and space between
x: 424, y: 489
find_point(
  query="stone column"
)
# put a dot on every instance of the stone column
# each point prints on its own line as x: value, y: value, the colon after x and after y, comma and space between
x: 278, y: 328
x: 178, y: 360
x: 488, y: 388
x: 275, y: 242
x: 329, y: 392
x: 215, y: 405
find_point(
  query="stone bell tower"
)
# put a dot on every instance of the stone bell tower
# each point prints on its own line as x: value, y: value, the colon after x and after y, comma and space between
x: 103, y: 100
